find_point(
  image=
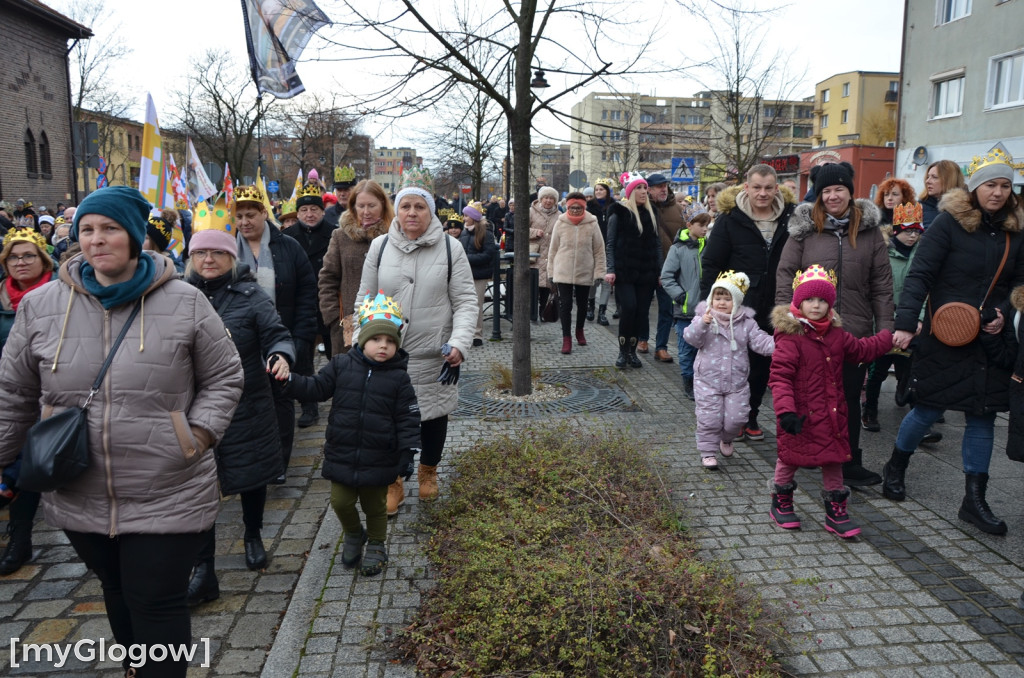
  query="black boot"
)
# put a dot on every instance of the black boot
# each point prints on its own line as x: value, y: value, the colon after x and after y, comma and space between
x: 974, y: 508
x: 255, y: 554
x: 590, y: 309
x: 633, y: 360
x: 203, y: 587
x: 893, y: 484
x: 602, y: 317
x: 854, y: 473
x: 310, y: 415
x: 837, y: 520
x: 782, y: 512
x: 623, y: 358
x: 869, y: 419
x: 688, y: 387
x: 19, y: 546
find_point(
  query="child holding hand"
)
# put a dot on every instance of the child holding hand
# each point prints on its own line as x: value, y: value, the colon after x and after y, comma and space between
x: 806, y: 379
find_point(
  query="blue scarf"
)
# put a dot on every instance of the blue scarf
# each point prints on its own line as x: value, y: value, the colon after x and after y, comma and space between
x: 123, y: 292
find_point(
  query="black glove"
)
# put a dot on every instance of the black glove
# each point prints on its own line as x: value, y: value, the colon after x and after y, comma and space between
x: 791, y: 423
x: 449, y: 374
x: 406, y: 466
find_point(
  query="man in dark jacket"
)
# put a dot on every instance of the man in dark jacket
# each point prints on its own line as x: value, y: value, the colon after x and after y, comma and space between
x: 748, y: 236
x: 670, y: 223
x: 344, y: 180
x: 313, y: 233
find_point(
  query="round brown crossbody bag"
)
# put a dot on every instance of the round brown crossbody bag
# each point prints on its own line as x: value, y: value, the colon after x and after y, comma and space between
x: 957, y: 323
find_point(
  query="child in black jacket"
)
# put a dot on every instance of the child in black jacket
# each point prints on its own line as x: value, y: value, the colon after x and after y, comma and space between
x: 373, y: 429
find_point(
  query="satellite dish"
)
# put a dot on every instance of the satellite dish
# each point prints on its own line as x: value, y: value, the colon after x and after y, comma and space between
x: 920, y: 155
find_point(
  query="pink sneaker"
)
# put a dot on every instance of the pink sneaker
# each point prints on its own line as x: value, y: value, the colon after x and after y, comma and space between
x: 710, y: 463
x: 726, y: 448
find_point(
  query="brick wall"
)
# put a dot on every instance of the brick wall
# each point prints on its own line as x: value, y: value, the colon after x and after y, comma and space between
x: 34, y: 96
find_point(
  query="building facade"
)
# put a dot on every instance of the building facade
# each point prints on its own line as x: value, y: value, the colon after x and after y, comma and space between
x: 390, y: 163
x: 963, y: 84
x: 550, y: 162
x: 35, y: 108
x: 857, y: 108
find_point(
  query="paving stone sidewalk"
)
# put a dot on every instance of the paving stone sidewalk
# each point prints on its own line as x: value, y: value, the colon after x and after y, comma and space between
x: 920, y: 594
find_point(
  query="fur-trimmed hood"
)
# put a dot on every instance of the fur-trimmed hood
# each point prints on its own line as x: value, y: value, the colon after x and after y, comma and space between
x: 357, y: 233
x: 726, y: 199
x: 785, y: 322
x: 1017, y: 298
x: 801, y: 225
x: 958, y: 203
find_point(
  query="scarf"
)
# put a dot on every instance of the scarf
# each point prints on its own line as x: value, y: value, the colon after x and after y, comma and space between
x: 575, y: 221
x: 718, y: 321
x: 264, y: 268
x: 901, y: 247
x: 123, y: 292
x: 16, y: 293
x: 820, y: 327
x: 838, y: 224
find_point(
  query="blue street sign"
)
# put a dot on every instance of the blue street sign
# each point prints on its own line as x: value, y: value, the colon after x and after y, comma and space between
x: 683, y: 170
x: 273, y: 186
x: 691, y: 190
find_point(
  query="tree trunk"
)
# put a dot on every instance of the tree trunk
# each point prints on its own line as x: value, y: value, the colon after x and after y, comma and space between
x: 519, y: 126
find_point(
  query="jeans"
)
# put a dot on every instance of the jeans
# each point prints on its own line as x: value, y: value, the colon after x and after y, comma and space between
x: 976, y: 447
x: 687, y: 353
x: 665, y: 320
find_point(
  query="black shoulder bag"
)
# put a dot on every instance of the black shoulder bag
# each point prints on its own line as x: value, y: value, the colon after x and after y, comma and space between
x: 56, y: 449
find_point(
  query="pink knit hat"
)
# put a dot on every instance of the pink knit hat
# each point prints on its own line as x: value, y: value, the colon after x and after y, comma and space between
x: 815, y: 281
x: 630, y: 181
x: 213, y: 239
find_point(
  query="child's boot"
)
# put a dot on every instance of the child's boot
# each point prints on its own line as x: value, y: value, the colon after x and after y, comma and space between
x: 375, y: 559
x: 782, y: 506
x: 396, y: 496
x: 428, y: 482
x: 352, y: 548
x: 837, y: 520
x: 709, y: 461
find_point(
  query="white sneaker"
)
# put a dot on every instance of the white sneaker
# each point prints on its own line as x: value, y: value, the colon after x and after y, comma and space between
x: 726, y: 448
x: 321, y: 348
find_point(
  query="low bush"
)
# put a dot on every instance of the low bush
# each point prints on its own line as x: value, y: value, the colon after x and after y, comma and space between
x: 558, y: 553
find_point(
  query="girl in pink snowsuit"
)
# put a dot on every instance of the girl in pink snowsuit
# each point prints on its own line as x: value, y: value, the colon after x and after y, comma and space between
x: 722, y: 331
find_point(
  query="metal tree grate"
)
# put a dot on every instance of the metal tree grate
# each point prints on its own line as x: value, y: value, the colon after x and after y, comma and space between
x: 587, y: 394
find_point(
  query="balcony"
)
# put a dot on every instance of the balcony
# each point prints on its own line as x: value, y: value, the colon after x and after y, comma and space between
x: 892, y: 97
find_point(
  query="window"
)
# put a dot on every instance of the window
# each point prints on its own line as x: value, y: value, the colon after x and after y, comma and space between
x: 894, y: 85
x: 604, y: 135
x: 803, y: 112
x: 1006, y: 81
x: 802, y: 132
x: 616, y: 115
x: 824, y: 121
x: 604, y: 155
x: 604, y: 114
x: 646, y: 117
x: 948, y: 97
x: 845, y: 117
x: 44, y: 156
x: 846, y: 89
x: 30, y: 154
x: 825, y: 96
x: 616, y: 136
x: 951, y: 10
x: 695, y: 120
x: 771, y: 112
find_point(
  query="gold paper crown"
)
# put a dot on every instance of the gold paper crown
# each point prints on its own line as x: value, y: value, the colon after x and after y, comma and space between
x: 606, y: 181
x: 456, y: 217
x: 217, y: 217
x: 445, y: 213
x: 248, y: 194
x: 180, y: 204
x: 288, y: 209
x: 160, y: 224
x: 345, y: 174
x: 26, y: 234
x: 814, y: 272
x: 996, y: 156
x: 310, y: 190
x: 59, y: 221
x: 738, y: 280
x: 380, y: 307
x: 911, y: 213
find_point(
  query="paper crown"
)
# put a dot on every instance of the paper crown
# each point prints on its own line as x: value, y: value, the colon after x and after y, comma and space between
x: 288, y: 209
x: 378, y: 308
x: 418, y: 177
x: 217, y: 217
x: 812, y: 273
x: 445, y: 213
x: 345, y: 176
x: 26, y: 234
x: 997, y: 155
x: 181, y: 204
x: 606, y: 181
x: 455, y: 217
x: 309, y: 190
x: 248, y: 194
x: 59, y: 221
x: 739, y: 280
x: 911, y: 213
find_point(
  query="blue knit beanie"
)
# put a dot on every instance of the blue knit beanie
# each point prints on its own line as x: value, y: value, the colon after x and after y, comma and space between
x: 123, y: 204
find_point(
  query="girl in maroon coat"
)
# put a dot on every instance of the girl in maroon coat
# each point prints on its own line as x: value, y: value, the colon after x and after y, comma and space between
x: 807, y: 389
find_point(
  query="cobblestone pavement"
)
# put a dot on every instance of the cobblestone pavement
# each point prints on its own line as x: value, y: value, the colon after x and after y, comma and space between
x: 919, y: 594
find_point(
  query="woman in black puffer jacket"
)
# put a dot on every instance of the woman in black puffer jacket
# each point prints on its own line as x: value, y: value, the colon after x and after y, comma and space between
x: 249, y: 454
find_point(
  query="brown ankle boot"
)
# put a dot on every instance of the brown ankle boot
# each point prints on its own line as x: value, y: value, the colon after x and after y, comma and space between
x: 428, y: 482
x: 396, y: 496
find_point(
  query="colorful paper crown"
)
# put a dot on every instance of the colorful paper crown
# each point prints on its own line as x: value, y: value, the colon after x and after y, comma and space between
x: 288, y: 209
x: 996, y: 156
x: 310, y: 189
x: 217, y: 217
x: 26, y: 234
x: 606, y: 181
x: 248, y: 194
x: 812, y: 273
x: 378, y: 308
x: 911, y: 213
x: 739, y: 280
x: 418, y: 177
x: 344, y: 175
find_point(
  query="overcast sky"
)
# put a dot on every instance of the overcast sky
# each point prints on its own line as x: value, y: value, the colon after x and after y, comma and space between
x: 825, y: 37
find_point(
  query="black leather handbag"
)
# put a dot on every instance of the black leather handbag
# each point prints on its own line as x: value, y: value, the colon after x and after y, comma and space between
x: 56, y: 450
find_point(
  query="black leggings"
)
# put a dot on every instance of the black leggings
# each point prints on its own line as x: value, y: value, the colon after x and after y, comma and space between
x: 634, y: 304
x: 877, y: 373
x: 433, y: 433
x: 853, y: 381
x: 566, y: 292
x: 253, y: 502
x: 543, y: 293
x: 144, y: 578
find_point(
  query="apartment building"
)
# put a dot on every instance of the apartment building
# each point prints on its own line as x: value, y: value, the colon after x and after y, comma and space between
x: 856, y: 108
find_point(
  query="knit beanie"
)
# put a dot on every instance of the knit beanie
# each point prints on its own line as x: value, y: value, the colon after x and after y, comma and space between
x: 379, y: 315
x: 629, y: 182
x: 735, y: 283
x: 311, y: 194
x: 474, y: 211
x: 814, y: 281
x: 834, y: 174
x: 995, y: 165
x: 547, y: 191
x: 125, y: 205
x: 159, y: 233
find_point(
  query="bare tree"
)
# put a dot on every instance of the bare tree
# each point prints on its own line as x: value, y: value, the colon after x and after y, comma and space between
x: 220, y: 110
x: 311, y: 131
x: 879, y: 128
x: 482, y: 46
x: 92, y: 87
